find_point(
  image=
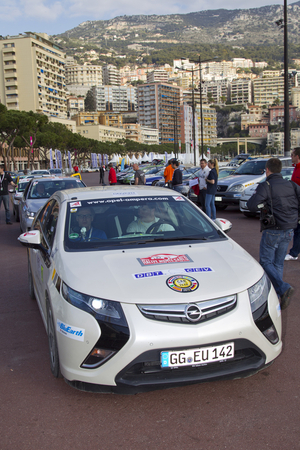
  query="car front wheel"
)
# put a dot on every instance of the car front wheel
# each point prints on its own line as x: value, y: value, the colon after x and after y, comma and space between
x: 53, y: 350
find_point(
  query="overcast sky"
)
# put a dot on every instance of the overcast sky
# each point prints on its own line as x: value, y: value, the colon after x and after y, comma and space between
x: 57, y: 16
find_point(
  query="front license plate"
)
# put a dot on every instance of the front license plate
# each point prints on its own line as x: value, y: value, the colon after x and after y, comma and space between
x: 218, y: 199
x: 196, y: 356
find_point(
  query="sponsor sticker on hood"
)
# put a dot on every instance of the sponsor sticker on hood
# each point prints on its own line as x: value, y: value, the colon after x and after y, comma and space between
x: 164, y: 258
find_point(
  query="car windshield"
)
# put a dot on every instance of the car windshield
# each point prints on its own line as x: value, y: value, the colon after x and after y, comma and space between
x: 44, y: 189
x: 251, y: 168
x: 130, y: 221
x: 22, y: 185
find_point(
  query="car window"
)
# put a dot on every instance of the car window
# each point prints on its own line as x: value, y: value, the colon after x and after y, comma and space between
x: 45, y: 188
x: 135, y: 220
x: 46, y: 222
x: 252, y: 168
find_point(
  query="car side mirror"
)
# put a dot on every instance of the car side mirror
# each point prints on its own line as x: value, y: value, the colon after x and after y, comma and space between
x: 224, y: 224
x: 32, y: 239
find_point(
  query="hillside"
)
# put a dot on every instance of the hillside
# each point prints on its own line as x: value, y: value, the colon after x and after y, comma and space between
x: 135, y: 35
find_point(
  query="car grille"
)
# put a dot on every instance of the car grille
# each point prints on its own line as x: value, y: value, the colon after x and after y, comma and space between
x: 221, y: 188
x: 146, y: 370
x: 189, y: 313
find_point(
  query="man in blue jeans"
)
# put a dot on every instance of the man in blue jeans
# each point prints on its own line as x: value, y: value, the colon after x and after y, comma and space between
x: 282, y: 198
x: 5, y: 180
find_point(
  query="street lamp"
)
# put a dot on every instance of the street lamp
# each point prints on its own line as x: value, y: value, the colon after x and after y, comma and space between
x: 193, y: 108
x: 200, y: 62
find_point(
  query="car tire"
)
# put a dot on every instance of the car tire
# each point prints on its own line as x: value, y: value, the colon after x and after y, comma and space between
x: 52, y: 342
x: 30, y: 281
x: 221, y: 207
x: 154, y: 183
x: 17, y: 215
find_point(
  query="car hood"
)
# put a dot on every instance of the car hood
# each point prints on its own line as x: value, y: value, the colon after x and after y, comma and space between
x: 240, y: 179
x: 35, y: 204
x: 139, y: 275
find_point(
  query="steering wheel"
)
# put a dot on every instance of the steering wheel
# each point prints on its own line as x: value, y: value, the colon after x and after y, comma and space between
x: 155, y: 226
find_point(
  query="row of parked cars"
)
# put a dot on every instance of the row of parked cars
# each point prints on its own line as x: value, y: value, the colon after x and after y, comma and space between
x: 236, y: 183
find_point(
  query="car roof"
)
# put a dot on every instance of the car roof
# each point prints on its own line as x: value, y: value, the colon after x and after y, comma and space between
x: 115, y: 192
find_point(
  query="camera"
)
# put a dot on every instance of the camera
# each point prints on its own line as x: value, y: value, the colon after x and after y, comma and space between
x: 267, y: 220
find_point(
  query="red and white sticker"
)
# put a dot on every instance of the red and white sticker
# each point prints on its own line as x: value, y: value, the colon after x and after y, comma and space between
x: 164, y: 258
x: 75, y: 204
x: 178, y: 198
x: 30, y: 233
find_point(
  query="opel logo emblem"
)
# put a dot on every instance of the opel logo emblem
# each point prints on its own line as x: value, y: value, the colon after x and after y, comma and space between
x: 193, y: 313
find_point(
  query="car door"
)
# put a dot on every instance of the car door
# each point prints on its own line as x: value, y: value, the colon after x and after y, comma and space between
x: 42, y: 260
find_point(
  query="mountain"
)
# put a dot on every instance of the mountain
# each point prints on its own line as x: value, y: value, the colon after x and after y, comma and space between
x: 240, y: 27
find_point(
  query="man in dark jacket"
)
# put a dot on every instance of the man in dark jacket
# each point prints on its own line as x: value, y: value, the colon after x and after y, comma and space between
x: 177, y: 175
x: 282, y: 198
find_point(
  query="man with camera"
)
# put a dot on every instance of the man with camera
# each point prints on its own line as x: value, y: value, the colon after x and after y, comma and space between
x: 279, y: 202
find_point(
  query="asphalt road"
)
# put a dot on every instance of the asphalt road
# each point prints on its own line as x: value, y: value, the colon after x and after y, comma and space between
x: 38, y: 411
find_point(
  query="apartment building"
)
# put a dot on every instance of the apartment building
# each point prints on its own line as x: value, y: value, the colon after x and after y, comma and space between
x: 268, y: 89
x: 241, y: 91
x: 157, y: 76
x: 83, y: 75
x: 111, y: 75
x: 295, y: 137
x: 149, y: 136
x: 209, y: 125
x: 159, y: 107
x: 101, y: 133
x: 115, y: 98
x: 75, y: 105
x: 216, y: 91
x: 32, y: 74
x: 276, y: 141
x: 277, y: 114
x: 111, y: 119
x: 258, y: 130
x: 255, y: 115
x: 296, y: 97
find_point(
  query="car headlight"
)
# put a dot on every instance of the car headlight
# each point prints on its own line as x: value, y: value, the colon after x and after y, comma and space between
x: 259, y: 292
x: 258, y: 296
x: 236, y: 188
x: 103, y: 310
x: 29, y: 214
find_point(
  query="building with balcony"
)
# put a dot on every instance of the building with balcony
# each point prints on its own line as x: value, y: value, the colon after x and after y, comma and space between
x: 159, y: 107
x: 276, y: 141
x: 101, y: 133
x: 157, y: 76
x: 111, y: 75
x: 241, y: 91
x: 32, y: 74
x: 216, y: 91
x: 277, y: 114
x: 75, y: 105
x: 268, y: 89
x: 115, y: 98
x: 83, y: 75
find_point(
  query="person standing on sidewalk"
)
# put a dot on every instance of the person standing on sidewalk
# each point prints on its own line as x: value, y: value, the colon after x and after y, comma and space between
x: 212, y: 181
x: 202, y: 175
x: 101, y: 181
x: 139, y: 176
x: 177, y: 176
x: 112, y: 177
x: 282, y: 199
x: 295, y: 250
x: 5, y: 180
x: 168, y: 172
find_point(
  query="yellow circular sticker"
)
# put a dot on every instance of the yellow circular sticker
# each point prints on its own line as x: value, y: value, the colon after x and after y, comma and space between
x: 182, y: 283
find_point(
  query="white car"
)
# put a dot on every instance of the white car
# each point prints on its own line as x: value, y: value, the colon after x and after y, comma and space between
x: 175, y: 301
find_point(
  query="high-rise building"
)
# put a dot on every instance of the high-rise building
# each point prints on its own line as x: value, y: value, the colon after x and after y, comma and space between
x: 32, y: 74
x: 268, y: 89
x: 115, y: 98
x: 159, y: 107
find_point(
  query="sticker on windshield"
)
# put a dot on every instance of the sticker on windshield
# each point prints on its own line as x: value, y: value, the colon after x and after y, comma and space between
x: 73, y: 210
x: 70, y: 331
x: 75, y: 204
x: 164, y: 258
x: 73, y: 236
x: 182, y: 283
x: 178, y: 199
